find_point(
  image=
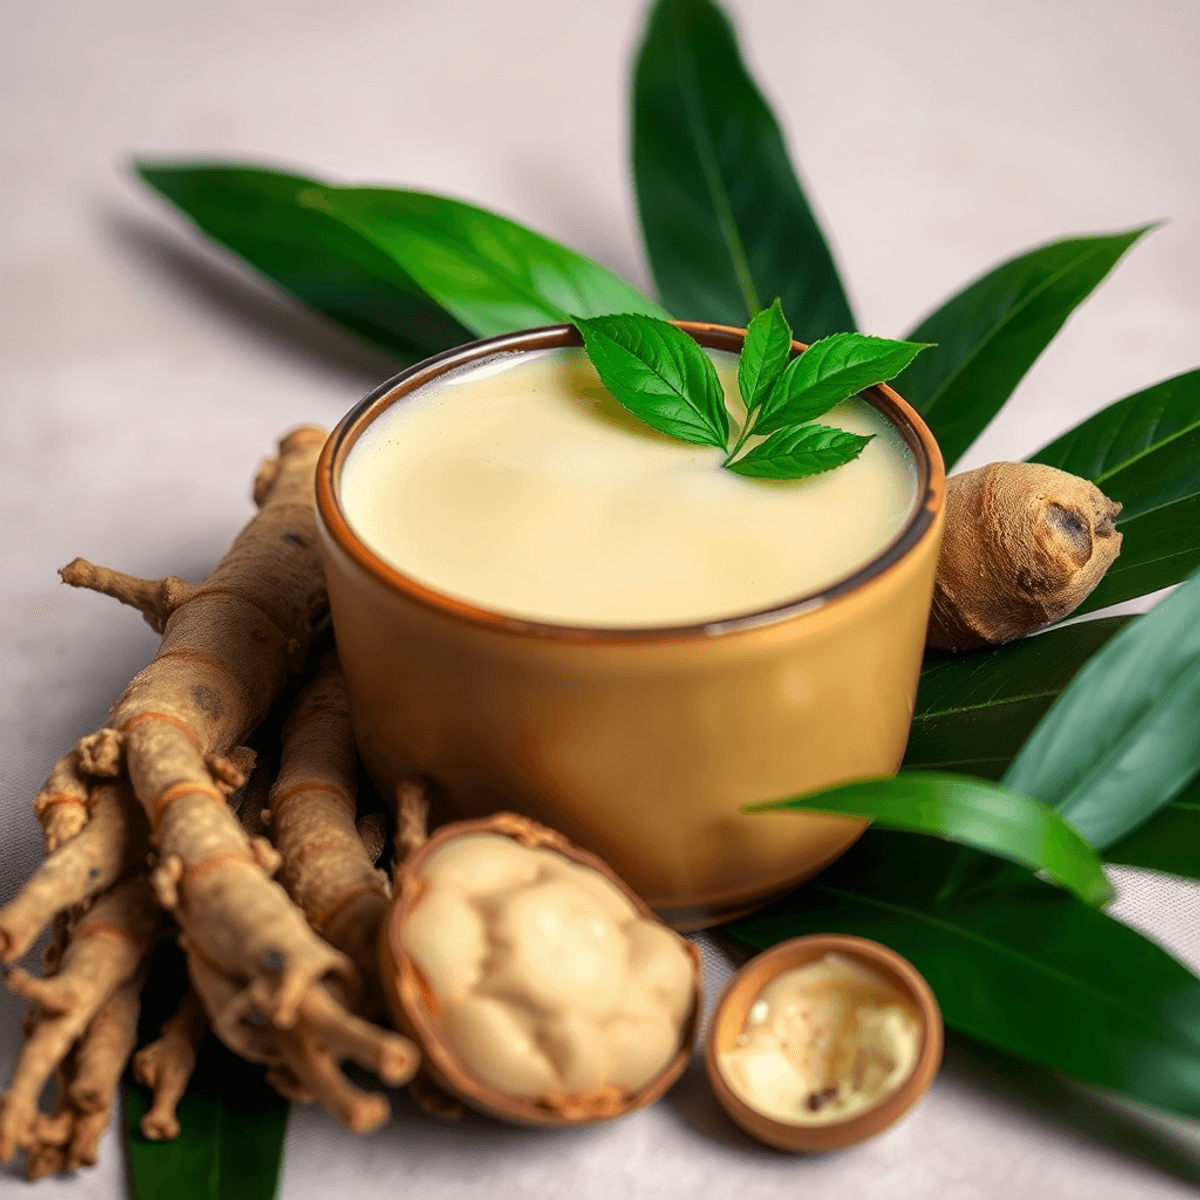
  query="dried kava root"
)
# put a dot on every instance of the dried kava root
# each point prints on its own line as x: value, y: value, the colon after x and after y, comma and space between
x: 157, y: 776
x: 329, y: 871
x: 81, y: 1029
x: 1024, y: 545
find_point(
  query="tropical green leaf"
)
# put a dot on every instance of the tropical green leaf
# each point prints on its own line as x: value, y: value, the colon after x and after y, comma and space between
x: 725, y: 220
x: 267, y: 219
x: 1144, y: 452
x: 1032, y: 969
x: 232, y: 1124
x: 828, y: 372
x: 764, y: 355
x: 990, y: 334
x: 1169, y: 841
x: 1123, y: 738
x: 492, y: 274
x: 797, y: 453
x: 660, y: 374
x: 411, y: 272
x: 974, y: 711
x: 231, y: 1144
x: 972, y: 813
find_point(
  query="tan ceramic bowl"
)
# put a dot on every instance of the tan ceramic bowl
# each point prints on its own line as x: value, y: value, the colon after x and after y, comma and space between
x: 730, y: 1016
x: 640, y: 744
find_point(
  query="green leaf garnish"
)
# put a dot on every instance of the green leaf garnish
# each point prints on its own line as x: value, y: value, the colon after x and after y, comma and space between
x: 663, y: 377
x: 830, y: 371
x: 973, y: 813
x: 800, y: 452
x: 764, y: 355
x: 660, y: 374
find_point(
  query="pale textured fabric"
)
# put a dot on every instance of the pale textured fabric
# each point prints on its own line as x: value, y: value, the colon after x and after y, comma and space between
x: 142, y: 375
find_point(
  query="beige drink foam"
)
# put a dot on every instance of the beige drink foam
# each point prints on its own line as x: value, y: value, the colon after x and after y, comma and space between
x: 521, y: 486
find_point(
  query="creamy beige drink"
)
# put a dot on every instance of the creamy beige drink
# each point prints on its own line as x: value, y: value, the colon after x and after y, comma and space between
x: 521, y: 486
x: 823, y: 1042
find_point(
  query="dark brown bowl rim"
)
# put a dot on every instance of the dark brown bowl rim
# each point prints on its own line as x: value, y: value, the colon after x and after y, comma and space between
x: 931, y: 484
x: 834, y: 1135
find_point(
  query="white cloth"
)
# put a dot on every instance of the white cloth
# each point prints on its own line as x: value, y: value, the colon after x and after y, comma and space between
x: 143, y: 374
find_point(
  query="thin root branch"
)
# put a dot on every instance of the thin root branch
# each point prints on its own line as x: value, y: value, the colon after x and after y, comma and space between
x: 166, y: 1065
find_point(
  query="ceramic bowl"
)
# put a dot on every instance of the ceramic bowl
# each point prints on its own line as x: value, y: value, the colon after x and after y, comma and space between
x: 641, y: 745
x: 730, y: 1016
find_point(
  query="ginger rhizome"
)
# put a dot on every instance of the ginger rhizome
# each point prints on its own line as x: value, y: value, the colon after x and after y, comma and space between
x: 1024, y: 545
x: 157, y: 776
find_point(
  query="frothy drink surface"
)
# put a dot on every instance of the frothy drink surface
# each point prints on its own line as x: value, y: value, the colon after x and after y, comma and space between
x: 521, y: 486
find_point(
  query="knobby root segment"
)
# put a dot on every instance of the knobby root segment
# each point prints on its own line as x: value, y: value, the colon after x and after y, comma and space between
x: 328, y: 871
x: 155, y: 599
x: 70, y: 1137
x: 115, y: 837
x: 89, y: 999
x: 325, y: 865
x: 1024, y: 545
x: 62, y: 804
x: 166, y: 1065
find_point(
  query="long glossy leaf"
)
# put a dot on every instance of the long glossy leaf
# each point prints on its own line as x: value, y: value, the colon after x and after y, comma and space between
x: 1143, y: 451
x: 1169, y: 841
x: 726, y: 223
x: 974, y: 711
x: 231, y: 1144
x: 492, y: 274
x: 232, y: 1124
x: 1124, y: 737
x: 991, y: 333
x: 268, y: 219
x: 971, y: 813
x: 1031, y: 969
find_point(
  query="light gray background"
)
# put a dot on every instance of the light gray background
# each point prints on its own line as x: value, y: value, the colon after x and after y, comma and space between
x: 142, y: 376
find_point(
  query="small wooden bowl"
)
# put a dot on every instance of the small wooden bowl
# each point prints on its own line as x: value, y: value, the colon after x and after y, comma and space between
x: 744, y: 987
x: 415, y: 1009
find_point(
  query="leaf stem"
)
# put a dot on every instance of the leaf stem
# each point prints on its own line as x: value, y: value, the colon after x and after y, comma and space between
x: 746, y: 430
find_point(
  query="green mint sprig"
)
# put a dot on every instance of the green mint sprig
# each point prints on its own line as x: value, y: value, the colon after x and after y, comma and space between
x: 666, y: 380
